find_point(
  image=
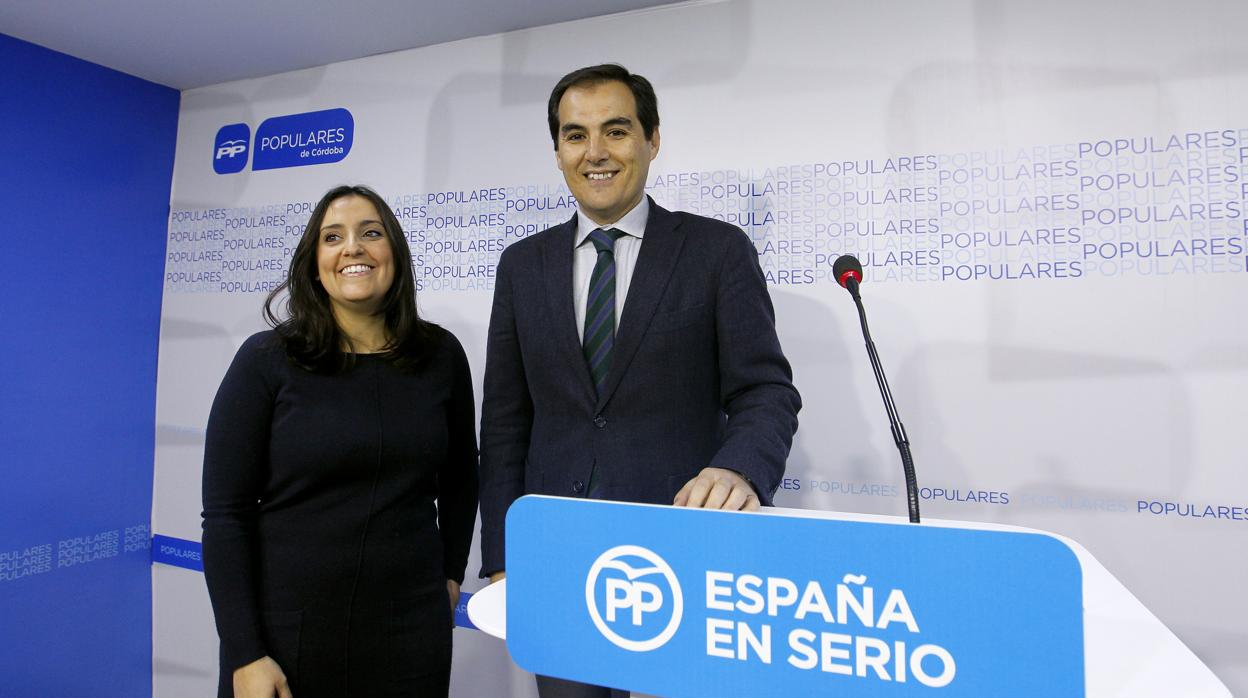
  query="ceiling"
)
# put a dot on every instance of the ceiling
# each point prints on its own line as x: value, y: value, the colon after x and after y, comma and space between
x: 183, y: 44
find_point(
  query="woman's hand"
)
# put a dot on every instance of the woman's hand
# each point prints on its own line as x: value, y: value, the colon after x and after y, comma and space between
x: 452, y: 588
x: 262, y: 678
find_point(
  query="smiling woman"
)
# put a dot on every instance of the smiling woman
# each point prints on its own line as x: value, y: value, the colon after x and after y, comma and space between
x: 354, y: 262
x: 340, y: 475
x: 330, y: 316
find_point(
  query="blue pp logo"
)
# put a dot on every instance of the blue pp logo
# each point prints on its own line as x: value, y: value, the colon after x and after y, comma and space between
x: 229, y: 150
x: 634, y: 598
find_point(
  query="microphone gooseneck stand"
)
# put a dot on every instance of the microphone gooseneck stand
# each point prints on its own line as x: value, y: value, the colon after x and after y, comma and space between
x: 898, y: 429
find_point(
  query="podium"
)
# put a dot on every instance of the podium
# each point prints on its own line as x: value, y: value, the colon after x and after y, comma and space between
x: 684, y: 602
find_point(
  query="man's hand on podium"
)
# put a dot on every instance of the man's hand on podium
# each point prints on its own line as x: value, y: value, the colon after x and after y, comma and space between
x: 717, y: 488
x: 713, y: 488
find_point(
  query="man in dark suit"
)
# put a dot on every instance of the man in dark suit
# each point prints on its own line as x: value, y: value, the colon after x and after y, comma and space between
x: 632, y: 351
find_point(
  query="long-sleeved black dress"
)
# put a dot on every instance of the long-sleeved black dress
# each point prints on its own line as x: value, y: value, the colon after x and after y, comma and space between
x: 323, y: 545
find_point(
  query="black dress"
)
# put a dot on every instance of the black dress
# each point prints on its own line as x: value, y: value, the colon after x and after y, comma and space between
x: 323, y: 546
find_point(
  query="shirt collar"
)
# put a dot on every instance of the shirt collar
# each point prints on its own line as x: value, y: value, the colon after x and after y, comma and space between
x: 632, y: 223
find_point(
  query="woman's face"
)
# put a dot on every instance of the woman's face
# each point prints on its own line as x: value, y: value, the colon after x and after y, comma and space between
x: 353, y: 257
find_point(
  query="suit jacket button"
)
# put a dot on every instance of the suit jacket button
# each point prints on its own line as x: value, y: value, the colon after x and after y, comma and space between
x: 600, y: 421
x: 577, y: 486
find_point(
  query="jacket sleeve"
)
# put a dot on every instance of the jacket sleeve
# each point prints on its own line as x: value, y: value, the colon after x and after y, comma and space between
x: 756, y: 382
x: 506, y: 420
x: 235, y: 470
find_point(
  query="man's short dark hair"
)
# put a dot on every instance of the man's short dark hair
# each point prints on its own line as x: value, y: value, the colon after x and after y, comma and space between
x: 643, y: 94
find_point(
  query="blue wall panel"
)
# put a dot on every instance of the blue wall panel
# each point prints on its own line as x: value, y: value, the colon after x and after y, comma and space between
x: 86, y: 159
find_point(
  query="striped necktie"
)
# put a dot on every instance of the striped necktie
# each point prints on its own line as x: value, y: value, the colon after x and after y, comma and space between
x: 599, y: 337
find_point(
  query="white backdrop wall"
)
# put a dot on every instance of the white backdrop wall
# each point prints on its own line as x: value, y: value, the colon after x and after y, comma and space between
x: 1082, y: 163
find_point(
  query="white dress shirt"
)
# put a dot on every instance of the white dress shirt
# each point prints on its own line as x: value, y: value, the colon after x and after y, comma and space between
x: 585, y: 255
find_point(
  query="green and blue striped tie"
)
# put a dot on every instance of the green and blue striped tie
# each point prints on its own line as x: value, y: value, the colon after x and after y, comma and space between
x: 599, y: 338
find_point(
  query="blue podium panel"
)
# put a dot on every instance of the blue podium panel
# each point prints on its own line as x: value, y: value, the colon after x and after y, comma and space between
x: 682, y: 602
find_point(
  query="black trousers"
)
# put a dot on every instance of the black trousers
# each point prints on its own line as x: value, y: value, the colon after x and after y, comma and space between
x: 550, y: 687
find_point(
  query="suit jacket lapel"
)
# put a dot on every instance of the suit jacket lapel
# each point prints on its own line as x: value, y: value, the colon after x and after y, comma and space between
x: 655, y: 261
x: 557, y: 263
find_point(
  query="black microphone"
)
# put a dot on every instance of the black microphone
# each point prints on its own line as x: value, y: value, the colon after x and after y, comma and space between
x: 848, y: 272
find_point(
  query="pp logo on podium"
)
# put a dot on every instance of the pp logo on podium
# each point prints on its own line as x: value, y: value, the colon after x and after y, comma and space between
x: 634, y: 598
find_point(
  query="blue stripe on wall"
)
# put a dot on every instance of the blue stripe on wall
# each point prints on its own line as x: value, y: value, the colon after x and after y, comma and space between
x: 178, y: 552
x: 87, y: 157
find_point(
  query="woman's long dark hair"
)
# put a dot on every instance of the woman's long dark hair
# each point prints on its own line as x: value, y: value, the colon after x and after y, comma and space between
x: 312, y: 337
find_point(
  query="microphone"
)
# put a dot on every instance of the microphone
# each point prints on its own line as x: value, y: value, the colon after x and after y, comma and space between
x: 848, y: 272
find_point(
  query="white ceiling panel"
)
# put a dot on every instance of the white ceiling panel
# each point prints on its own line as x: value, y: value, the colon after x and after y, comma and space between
x: 185, y: 44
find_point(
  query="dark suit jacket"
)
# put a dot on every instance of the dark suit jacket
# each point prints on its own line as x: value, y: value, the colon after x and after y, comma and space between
x: 697, y: 378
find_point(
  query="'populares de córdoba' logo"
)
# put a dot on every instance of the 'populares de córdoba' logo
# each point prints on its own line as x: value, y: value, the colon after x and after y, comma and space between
x: 634, y: 598
x: 311, y: 138
x: 294, y: 140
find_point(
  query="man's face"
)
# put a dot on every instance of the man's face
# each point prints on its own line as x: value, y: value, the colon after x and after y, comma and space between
x: 602, y: 149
